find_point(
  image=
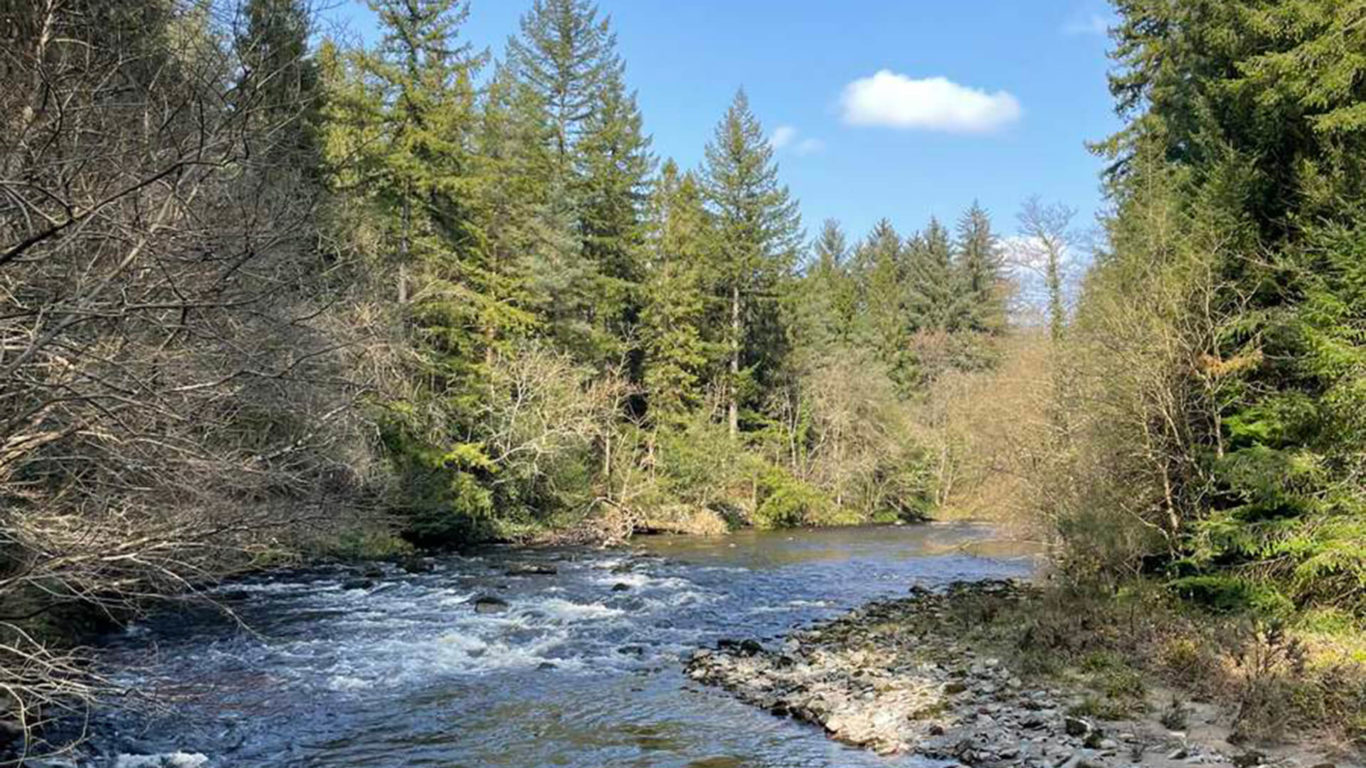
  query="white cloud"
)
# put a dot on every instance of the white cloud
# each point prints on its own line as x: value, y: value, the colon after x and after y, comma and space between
x: 785, y: 137
x: 782, y: 136
x: 1093, y: 24
x: 938, y: 104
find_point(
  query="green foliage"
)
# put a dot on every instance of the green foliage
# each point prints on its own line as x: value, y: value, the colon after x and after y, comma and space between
x: 1237, y: 183
x: 981, y: 293
x: 758, y: 232
x: 786, y: 502
x: 579, y: 341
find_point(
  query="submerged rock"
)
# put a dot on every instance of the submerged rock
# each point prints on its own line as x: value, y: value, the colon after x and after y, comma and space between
x: 532, y: 569
x: 490, y: 604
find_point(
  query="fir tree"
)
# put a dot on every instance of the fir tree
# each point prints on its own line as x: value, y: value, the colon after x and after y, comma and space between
x: 883, y: 318
x: 930, y: 285
x: 279, y: 80
x: 567, y: 56
x: 758, y: 231
x: 981, y: 299
x: 676, y: 336
x: 826, y: 305
x: 613, y: 166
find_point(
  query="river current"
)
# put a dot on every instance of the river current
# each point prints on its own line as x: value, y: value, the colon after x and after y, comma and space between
x: 583, y: 668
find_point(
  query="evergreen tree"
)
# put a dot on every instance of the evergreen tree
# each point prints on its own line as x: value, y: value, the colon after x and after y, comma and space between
x: 279, y: 80
x: 511, y: 164
x: 408, y: 121
x: 420, y: 171
x: 1245, y: 123
x: 758, y: 231
x: 826, y: 309
x: 981, y: 290
x: 930, y: 284
x: 567, y: 56
x: 613, y: 168
x: 677, y: 341
x: 883, y: 318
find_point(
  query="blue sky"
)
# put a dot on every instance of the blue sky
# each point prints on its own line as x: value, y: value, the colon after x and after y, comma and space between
x: 896, y: 108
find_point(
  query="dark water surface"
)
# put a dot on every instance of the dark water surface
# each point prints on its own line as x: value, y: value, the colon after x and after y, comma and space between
x: 404, y: 672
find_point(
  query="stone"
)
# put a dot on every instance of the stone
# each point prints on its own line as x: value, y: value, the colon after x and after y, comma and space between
x: 621, y: 586
x: 1075, y: 726
x: 532, y: 569
x: 358, y: 584
x: 416, y: 565
x: 1249, y: 759
x: 490, y: 604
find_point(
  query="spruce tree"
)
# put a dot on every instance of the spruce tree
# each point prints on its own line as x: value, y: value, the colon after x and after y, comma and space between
x: 980, y: 303
x: 930, y: 280
x: 611, y: 187
x: 421, y: 169
x: 883, y: 320
x: 279, y: 82
x: 567, y: 55
x: 676, y: 336
x: 511, y: 165
x: 758, y: 233
x: 827, y: 302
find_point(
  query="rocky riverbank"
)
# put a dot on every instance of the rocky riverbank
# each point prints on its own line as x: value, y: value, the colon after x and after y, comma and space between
x: 897, y: 677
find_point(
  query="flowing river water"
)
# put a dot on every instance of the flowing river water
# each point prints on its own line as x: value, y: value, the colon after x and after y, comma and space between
x: 583, y: 669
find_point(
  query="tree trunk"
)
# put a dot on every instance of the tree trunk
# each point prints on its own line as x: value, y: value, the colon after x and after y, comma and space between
x: 403, y: 255
x: 733, y: 406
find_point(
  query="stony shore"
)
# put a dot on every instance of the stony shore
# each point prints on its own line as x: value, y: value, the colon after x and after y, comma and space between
x: 896, y: 677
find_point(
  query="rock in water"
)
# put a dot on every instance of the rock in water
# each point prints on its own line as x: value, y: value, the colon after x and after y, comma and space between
x: 489, y: 604
x: 532, y: 569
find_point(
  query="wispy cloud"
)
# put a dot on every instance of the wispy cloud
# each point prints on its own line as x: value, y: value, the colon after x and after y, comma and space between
x: 894, y: 100
x: 1088, y: 25
x: 787, y: 137
x: 782, y: 136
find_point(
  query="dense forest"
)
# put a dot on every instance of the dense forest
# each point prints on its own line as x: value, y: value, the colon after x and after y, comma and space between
x: 268, y: 295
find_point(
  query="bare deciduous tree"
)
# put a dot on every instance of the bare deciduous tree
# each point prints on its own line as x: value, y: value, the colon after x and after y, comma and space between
x: 171, y: 386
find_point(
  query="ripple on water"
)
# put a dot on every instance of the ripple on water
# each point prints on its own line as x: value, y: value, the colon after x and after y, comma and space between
x: 576, y: 672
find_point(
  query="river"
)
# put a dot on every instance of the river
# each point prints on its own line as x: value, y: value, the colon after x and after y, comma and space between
x: 582, y: 670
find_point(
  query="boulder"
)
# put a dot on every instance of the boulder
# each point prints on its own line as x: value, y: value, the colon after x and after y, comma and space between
x: 1076, y: 726
x: 489, y: 604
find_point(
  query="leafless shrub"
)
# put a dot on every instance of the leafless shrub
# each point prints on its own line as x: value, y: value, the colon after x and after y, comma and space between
x: 170, y: 392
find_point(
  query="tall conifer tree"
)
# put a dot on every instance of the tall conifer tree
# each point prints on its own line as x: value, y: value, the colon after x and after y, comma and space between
x: 678, y: 342
x: 758, y: 231
x: 981, y: 291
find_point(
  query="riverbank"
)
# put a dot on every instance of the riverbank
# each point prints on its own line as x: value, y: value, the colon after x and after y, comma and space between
x: 998, y: 673
x: 574, y: 659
